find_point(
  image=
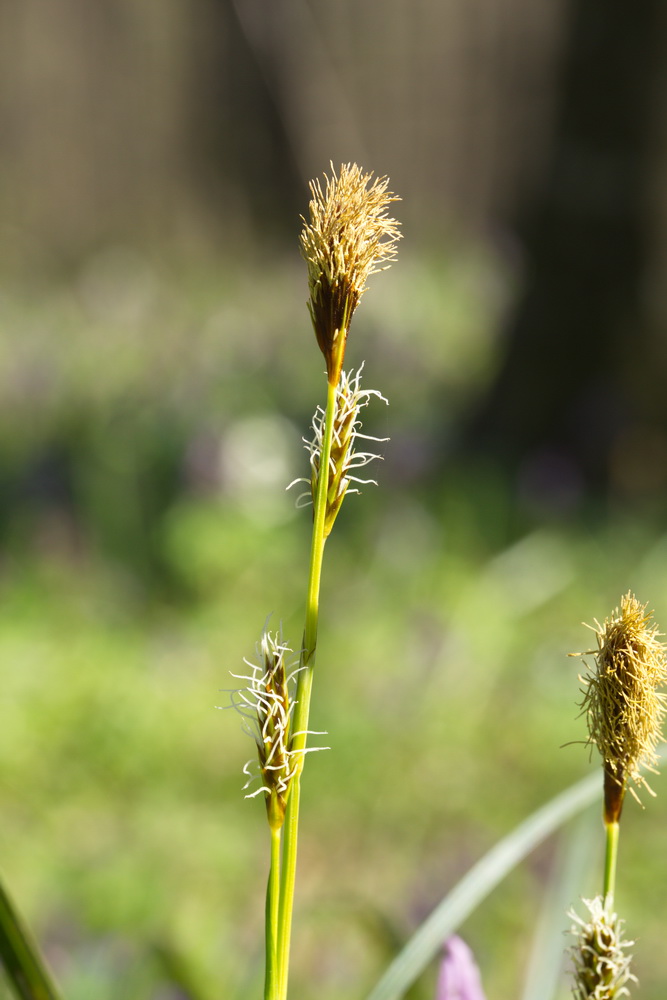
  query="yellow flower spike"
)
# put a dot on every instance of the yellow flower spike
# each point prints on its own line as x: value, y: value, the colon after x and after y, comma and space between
x: 348, y: 238
x: 622, y: 703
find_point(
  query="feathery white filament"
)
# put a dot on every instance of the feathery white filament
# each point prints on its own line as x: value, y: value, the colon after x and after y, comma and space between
x: 344, y: 459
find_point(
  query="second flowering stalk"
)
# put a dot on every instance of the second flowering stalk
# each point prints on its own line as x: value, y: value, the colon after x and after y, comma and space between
x: 624, y: 708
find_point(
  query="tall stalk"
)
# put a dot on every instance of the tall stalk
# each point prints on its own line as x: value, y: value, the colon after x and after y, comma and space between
x: 302, y: 703
x: 610, y: 863
x: 272, y: 965
x: 348, y: 237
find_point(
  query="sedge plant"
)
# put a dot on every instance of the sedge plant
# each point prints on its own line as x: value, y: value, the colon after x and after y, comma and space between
x: 347, y: 237
x: 624, y: 709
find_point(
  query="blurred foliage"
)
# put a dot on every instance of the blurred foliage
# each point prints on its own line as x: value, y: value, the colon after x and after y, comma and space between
x: 134, y: 384
x: 446, y: 693
x: 150, y: 421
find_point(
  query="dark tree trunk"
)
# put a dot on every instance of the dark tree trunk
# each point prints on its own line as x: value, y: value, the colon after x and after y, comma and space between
x: 240, y: 134
x: 561, y: 398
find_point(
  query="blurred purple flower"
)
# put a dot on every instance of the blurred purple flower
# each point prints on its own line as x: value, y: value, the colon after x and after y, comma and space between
x: 459, y: 977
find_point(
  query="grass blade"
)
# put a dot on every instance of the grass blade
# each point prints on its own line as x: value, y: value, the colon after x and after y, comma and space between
x: 426, y: 943
x: 26, y: 972
x: 575, y: 859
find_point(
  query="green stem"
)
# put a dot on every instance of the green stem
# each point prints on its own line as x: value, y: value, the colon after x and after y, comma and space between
x: 272, y: 907
x: 302, y: 701
x: 610, y: 858
x: 26, y: 972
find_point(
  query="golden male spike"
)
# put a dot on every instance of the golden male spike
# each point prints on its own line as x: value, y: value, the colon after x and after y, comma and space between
x: 623, y: 705
x: 348, y: 237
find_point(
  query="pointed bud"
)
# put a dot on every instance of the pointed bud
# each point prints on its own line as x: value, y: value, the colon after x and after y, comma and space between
x: 459, y: 977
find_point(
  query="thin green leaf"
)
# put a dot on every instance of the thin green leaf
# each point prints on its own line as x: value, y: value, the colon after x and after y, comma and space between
x: 427, y: 942
x: 574, y: 860
x: 26, y: 972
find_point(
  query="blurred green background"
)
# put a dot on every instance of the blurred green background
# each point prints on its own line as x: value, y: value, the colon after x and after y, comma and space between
x: 157, y: 372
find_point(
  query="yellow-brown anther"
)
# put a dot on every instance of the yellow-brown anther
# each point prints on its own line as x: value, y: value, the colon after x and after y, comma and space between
x: 622, y: 703
x: 348, y: 237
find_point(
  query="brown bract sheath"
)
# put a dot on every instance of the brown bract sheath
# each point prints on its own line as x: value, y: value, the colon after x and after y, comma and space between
x: 348, y: 237
x: 614, y: 794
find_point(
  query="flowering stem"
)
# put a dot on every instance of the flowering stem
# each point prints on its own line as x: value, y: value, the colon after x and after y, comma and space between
x: 611, y: 855
x: 302, y: 700
x: 272, y: 904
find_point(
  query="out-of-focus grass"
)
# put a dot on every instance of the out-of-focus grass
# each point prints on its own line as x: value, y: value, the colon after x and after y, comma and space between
x: 135, y: 381
x: 443, y: 684
x: 174, y: 407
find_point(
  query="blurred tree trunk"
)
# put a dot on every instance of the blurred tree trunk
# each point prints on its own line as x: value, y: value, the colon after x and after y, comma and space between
x: 571, y: 380
x: 240, y: 136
